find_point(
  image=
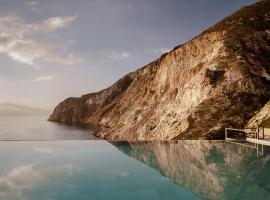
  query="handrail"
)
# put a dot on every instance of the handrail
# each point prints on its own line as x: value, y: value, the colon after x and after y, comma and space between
x: 232, y: 129
x: 256, y: 130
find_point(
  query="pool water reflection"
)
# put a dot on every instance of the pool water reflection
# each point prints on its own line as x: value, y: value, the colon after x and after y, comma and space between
x: 49, y: 170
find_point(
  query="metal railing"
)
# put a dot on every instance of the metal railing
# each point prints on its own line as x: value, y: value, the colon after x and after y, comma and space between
x: 258, y: 132
x: 232, y: 129
x: 258, y: 147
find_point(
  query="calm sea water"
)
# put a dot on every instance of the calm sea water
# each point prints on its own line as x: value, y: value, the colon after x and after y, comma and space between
x: 36, y: 127
x: 68, y: 169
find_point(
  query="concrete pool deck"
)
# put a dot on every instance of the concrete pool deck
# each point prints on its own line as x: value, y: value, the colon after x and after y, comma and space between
x: 265, y: 141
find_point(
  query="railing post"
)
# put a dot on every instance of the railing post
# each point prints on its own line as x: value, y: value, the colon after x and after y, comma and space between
x: 225, y: 133
x: 257, y: 130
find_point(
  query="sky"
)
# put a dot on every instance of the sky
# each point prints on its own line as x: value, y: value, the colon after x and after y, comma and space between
x: 54, y: 49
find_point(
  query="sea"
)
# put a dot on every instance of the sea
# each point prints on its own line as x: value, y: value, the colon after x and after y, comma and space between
x: 37, y: 127
x: 42, y: 160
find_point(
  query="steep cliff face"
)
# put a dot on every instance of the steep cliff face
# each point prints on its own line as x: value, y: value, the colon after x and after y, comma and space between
x: 262, y: 117
x: 89, y: 108
x: 218, y: 79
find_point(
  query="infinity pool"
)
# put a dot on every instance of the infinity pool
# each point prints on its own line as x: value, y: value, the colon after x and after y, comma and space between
x: 99, y: 170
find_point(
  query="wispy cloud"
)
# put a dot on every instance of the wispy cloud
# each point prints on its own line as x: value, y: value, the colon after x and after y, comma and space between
x: 20, y: 41
x: 43, y: 78
x: 17, y: 182
x: 43, y: 150
x: 160, y: 50
x: 55, y: 23
x: 119, y: 173
x: 32, y: 5
x: 115, y: 55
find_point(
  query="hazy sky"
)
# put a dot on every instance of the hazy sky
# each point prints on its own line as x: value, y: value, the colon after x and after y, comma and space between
x: 53, y: 49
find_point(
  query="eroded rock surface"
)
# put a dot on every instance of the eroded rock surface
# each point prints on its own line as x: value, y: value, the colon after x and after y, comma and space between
x: 262, y: 117
x: 219, y: 79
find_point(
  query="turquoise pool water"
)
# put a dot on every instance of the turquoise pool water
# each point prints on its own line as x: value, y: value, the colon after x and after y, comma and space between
x: 78, y: 170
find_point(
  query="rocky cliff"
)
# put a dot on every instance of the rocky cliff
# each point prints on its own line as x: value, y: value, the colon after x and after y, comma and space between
x: 220, y: 78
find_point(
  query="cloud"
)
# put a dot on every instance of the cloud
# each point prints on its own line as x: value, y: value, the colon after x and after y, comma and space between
x: 14, y: 184
x: 66, y: 169
x: 21, y: 177
x: 120, y: 55
x: 17, y: 183
x: 55, y: 23
x: 43, y: 78
x: 22, y: 42
x: 115, y: 55
x: 160, y: 50
x: 32, y: 5
x: 43, y: 150
x: 119, y: 173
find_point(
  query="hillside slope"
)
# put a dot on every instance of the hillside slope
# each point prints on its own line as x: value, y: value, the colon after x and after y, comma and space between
x: 221, y: 78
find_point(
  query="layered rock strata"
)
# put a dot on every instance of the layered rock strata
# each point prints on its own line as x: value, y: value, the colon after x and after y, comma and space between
x: 219, y: 79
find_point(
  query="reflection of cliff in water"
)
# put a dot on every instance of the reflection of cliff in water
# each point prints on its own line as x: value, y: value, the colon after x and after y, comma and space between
x: 211, y: 169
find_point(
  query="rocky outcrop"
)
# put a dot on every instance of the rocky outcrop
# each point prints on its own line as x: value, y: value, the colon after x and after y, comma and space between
x: 262, y: 117
x: 210, y: 169
x: 89, y: 108
x: 221, y: 78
